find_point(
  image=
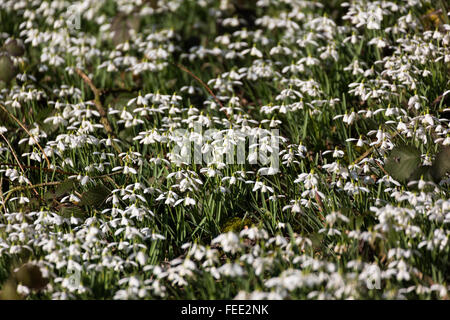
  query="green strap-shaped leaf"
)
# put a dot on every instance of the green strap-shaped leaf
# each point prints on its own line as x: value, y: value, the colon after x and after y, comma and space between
x: 72, y: 211
x: 441, y: 164
x: 403, y: 162
x: 15, y: 47
x: 65, y: 187
x: 95, y: 196
x: 121, y: 27
x: 7, y: 69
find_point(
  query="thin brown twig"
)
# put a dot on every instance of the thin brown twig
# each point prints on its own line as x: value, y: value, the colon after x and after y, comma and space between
x: 33, y: 186
x: 55, y: 183
x: 319, y: 202
x: 433, y: 13
x: 382, y: 169
x: 438, y: 99
x: 203, y: 84
x: 28, y: 132
x: 13, y: 153
x: 40, y: 169
x: 1, y: 195
x: 98, y: 104
x: 368, y: 151
x: 97, y: 101
x: 18, y: 162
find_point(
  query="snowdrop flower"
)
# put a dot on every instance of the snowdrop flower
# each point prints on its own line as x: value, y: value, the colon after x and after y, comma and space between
x: 259, y: 185
x: 231, y: 270
x: 295, y: 206
x: 310, y: 180
x: 228, y: 241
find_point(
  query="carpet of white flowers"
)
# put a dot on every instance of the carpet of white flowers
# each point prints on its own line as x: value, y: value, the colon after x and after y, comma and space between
x: 96, y: 204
